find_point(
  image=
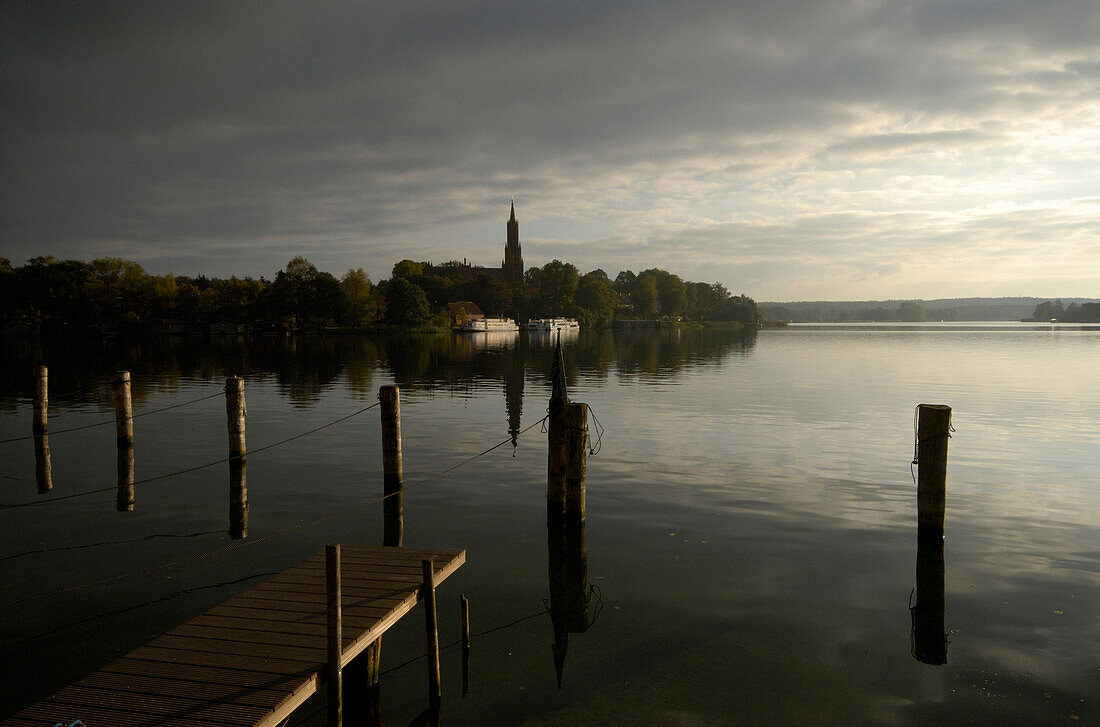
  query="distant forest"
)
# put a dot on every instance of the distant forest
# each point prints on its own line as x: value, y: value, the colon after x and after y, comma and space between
x: 116, y: 294
x: 941, y: 309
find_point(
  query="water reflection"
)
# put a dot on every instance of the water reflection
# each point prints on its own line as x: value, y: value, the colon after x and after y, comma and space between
x: 928, y: 636
x: 124, y: 499
x: 570, y: 594
x: 81, y: 370
x: 43, y: 470
x: 238, y: 498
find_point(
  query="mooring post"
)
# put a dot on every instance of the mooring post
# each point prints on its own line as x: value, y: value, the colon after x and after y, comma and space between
x: 124, y: 412
x: 465, y: 606
x: 41, y: 399
x: 576, y: 459
x: 557, y: 460
x: 392, y: 467
x: 933, y: 430
x: 236, y: 411
x: 432, y: 627
x: 335, y: 636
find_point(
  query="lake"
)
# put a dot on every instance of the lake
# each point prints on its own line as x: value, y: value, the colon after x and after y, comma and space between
x: 749, y: 556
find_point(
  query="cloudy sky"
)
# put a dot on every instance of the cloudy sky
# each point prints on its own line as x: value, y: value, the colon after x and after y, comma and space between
x: 790, y: 150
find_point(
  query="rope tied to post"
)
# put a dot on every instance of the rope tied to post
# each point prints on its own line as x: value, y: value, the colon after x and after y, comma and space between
x: 917, y: 441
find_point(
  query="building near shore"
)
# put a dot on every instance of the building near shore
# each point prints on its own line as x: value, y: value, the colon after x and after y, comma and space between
x: 511, y: 267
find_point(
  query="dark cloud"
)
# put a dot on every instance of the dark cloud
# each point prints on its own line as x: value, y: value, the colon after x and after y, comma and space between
x: 225, y: 137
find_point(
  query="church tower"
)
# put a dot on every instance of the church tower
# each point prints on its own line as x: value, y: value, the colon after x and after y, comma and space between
x: 513, y: 258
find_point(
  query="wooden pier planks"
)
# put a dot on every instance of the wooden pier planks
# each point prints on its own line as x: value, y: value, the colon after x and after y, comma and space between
x: 253, y: 659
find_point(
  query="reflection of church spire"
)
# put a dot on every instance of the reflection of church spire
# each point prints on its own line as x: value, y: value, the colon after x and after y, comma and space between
x: 513, y: 392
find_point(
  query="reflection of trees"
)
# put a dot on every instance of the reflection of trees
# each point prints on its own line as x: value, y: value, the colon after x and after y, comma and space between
x: 81, y: 369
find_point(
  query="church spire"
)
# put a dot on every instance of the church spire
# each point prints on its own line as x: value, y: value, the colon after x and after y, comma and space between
x: 513, y: 217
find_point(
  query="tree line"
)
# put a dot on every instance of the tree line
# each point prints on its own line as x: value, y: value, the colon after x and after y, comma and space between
x: 117, y: 292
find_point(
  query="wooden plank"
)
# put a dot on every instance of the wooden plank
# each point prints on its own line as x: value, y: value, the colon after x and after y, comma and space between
x: 284, y: 667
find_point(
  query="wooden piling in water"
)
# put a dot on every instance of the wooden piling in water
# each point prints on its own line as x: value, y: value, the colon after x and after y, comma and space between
x: 556, y: 464
x: 236, y: 411
x: 41, y: 399
x: 933, y: 431
x: 576, y: 459
x: 465, y: 606
x: 124, y: 412
x: 392, y: 466
x: 431, y: 624
x: 335, y: 636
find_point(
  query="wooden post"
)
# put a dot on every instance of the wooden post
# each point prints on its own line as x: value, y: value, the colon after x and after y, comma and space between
x: 556, y: 465
x: 392, y: 468
x: 43, y: 470
x: 236, y: 411
x: 124, y: 412
x: 933, y: 428
x: 465, y: 605
x: 432, y: 626
x: 335, y: 636
x: 125, y: 496
x: 576, y: 459
x: 41, y: 399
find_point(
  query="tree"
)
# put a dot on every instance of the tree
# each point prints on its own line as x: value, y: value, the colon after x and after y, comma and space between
x: 557, y: 285
x: 408, y: 269
x: 595, y: 299
x: 406, y: 304
x: 910, y: 311
x: 643, y: 297
x: 360, y: 304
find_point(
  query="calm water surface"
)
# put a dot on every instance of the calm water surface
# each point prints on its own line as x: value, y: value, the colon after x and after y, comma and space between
x: 749, y: 555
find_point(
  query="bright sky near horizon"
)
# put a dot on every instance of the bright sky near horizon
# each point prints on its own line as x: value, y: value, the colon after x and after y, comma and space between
x: 869, y: 149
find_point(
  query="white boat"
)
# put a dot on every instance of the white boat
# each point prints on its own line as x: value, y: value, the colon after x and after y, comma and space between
x: 486, y: 325
x: 552, y: 324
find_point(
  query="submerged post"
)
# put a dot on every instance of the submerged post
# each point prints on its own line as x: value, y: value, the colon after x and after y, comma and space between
x: 125, y: 495
x: 465, y: 605
x: 41, y: 399
x: 392, y: 468
x: 432, y: 627
x: 335, y: 636
x: 236, y: 411
x: 576, y: 459
x: 124, y: 412
x: 933, y: 430
x: 43, y: 470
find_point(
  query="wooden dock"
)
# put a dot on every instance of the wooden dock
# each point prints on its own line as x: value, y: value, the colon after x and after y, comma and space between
x: 255, y: 658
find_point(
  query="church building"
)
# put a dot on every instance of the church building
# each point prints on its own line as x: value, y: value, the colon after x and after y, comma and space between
x: 511, y: 267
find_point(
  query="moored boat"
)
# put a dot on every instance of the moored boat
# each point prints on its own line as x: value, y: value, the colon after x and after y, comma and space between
x: 552, y: 324
x: 484, y: 325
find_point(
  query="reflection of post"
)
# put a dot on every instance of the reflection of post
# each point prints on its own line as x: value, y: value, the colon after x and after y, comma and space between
x: 392, y: 470
x: 928, y: 634
x: 41, y: 399
x: 124, y: 499
x: 43, y: 471
x: 569, y: 595
x: 933, y: 428
x: 124, y: 412
x: 236, y: 411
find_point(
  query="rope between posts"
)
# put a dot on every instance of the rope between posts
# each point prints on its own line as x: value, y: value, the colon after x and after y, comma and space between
x: 253, y: 541
x: 112, y: 421
x: 223, y: 460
